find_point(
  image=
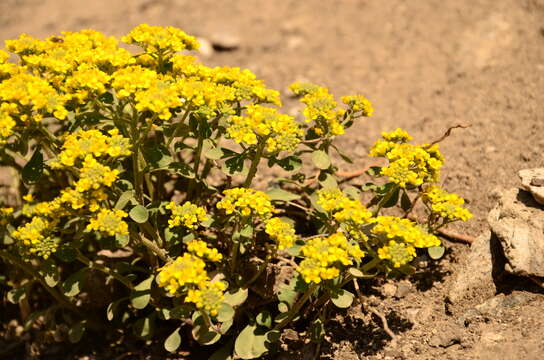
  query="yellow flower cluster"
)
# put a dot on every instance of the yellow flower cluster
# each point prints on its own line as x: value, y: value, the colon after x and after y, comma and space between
x: 85, y: 82
x: 401, y: 237
x: 403, y: 230
x: 344, y: 209
x: 321, y: 108
x: 109, y: 222
x: 281, y: 231
x: 208, y: 297
x: 409, y: 165
x: 324, y: 257
x: 246, y: 202
x: 447, y: 206
x: 201, y: 249
x: 93, y: 175
x: 398, y: 253
x: 34, y: 97
x: 188, y: 272
x: 185, y: 270
x: 7, y: 69
x: 5, y: 213
x: 261, y: 124
x: 35, y: 237
x: 81, y: 144
x: 160, y: 41
x: 6, y: 125
x: 188, y: 215
x: 358, y: 104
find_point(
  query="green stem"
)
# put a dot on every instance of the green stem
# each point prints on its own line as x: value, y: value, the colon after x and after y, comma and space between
x: 61, y: 299
x: 154, y: 248
x: 295, y: 309
x: 385, y: 199
x: 254, y: 164
x: 178, y: 127
x: 93, y: 265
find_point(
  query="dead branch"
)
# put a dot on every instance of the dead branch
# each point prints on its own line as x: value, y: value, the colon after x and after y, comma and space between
x: 448, y: 133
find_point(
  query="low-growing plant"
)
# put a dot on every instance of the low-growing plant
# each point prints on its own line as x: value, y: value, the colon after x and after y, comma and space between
x: 135, y: 203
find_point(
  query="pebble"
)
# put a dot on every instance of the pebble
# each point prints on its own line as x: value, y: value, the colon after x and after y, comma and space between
x: 225, y: 41
x: 389, y: 290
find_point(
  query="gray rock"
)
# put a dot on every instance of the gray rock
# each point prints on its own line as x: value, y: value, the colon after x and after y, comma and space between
x: 518, y: 223
x: 532, y: 180
x: 225, y: 41
x: 389, y: 289
x: 474, y: 278
x: 403, y: 289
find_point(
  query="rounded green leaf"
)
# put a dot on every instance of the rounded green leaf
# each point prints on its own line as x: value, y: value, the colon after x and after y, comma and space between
x: 264, y: 319
x: 356, y: 272
x: 342, y: 299
x: 436, y: 252
x: 214, y: 153
x: 282, y: 195
x: 225, y: 312
x: 173, y: 341
x: 236, y: 298
x: 250, y: 343
x: 142, y: 293
x: 139, y: 214
x: 321, y: 160
x: 72, y: 286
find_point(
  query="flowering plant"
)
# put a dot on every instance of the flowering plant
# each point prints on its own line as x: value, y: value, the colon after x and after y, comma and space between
x: 135, y: 171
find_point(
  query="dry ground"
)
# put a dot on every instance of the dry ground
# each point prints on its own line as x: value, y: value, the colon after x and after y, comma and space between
x: 426, y: 65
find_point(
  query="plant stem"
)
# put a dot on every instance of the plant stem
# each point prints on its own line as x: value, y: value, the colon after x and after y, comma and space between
x: 295, y: 309
x: 61, y: 298
x: 154, y: 248
x: 94, y: 265
x: 254, y: 165
x: 178, y: 127
x: 384, y: 200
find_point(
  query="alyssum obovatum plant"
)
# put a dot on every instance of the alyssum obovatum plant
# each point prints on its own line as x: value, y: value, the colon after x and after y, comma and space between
x: 136, y: 172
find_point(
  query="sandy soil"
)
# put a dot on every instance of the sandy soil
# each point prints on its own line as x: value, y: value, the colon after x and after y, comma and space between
x: 425, y: 65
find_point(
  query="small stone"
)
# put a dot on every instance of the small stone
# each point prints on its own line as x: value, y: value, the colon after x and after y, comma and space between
x: 290, y: 334
x: 389, y: 290
x: 532, y: 180
x: 518, y: 222
x: 206, y: 48
x: 492, y: 306
x: 446, y: 338
x: 403, y: 288
x: 225, y: 41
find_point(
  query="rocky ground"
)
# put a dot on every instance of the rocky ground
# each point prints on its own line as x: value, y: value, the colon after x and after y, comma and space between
x: 425, y: 65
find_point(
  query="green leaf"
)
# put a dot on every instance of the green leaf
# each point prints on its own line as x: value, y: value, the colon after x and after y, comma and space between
x: 436, y: 252
x: 112, y: 308
x: 234, y: 166
x: 33, y: 170
x: 283, y: 307
x: 144, y: 327
x: 251, y: 343
x: 121, y: 240
x: 106, y: 98
x: 342, y: 298
x: 223, y: 353
x: 182, y: 169
x: 17, y: 294
x: 405, y: 202
x: 72, y: 286
x: 278, y: 194
x: 214, y: 153
x: 321, y: 160
x: 225, y: 312
x: 142, y: 293
x: 139, y: 214
x: 374, y: 171
x: 393, y: 199
x: 290, y: 163
x: 327, y: 181
x: 50, y: 272
x: 124, y: 199
x: 201, y: 332
x: 287, y: 292
x: 264, y: 319
x: 247, y: 231
x: 237, y: 298
x: 157, y: 156
x: 172, y: 342
x: 352, y: 192
x: 356, y: 272
x: 76, y: 332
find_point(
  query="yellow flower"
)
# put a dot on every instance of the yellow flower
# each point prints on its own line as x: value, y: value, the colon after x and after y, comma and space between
x: 201, y: 249
x: 188, y: 215
x: 280, y: 132
x: 109, y: 222
x: 208, y: 297
x: 246, y: 202
x: 35, y: 237
x: 446, y: 205
x: 403, y: 230
x: 129, y: 80
x: 158, y: 40
x: 87, y: 80
x: 358, y: 104
x: 343, y: 209
x: 93, y: 175
x: 398, y: 253
x: 325, y: 257
x: 6, y: 125
x: 281, y: 231
x: 186, y: 269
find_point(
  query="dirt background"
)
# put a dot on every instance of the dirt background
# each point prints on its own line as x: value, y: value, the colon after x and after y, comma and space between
x: 426, y: 65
